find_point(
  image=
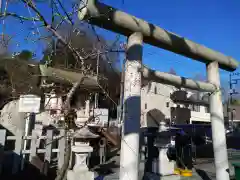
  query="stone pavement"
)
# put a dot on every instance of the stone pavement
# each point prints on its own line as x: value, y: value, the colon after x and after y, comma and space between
x: 204, y: 170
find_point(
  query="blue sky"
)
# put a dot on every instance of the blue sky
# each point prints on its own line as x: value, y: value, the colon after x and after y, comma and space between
x: 214, y: 24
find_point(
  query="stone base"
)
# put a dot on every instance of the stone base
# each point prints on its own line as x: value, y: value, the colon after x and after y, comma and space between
x: 162, y: 165
x: 80, y: 175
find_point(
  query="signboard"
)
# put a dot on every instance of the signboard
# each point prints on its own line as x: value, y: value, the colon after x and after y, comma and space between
x: 101, y: 117
x: 29, y: 104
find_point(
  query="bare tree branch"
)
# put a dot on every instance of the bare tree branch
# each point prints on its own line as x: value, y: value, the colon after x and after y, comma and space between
x: 55, y: 33
x: 65, y: 12
x: 18, y: 16
x: 80, y: 54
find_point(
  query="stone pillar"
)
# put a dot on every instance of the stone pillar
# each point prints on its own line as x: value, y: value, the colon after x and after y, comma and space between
x: 217, y: 121
x: 59, y: 105
x: 102, y: 150
x: 80, y: 169
x: 87, y: 108
x: 129, y: 159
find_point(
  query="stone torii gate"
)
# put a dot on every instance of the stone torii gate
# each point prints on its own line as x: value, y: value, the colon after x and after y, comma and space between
x: 139, y: 31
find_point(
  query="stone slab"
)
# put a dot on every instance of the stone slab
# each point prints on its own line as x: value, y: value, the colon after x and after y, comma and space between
x: 81, y: 175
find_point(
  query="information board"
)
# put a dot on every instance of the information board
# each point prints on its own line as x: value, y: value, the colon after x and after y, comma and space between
x: 29, y: 103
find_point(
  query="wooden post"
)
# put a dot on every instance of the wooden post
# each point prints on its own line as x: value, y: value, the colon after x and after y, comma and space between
x: 217, y: 121
x: 2, y: 144
x: 33, y: 148
x: 129, y: 160
x: 27, y: 131
x: 61, y: 147
x: 48, y: 153
x: 17, y: 151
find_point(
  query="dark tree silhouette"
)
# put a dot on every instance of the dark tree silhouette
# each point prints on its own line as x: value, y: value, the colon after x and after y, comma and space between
x: 25, y: 55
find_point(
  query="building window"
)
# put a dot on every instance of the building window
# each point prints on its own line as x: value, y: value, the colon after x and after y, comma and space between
x: 196, y: 108
x: 145, y: 105
x: 207, y: 109
x: 167, y: 104
x: 155, y: 90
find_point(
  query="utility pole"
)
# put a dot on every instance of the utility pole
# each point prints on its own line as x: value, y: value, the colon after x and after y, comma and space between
x: 122, y: 92
x: 230, y: 102
x: 96, y: 94
x: 1, y: 6
x: 230, y: 99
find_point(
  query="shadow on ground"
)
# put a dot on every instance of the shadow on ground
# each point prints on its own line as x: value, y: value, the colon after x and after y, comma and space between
x: 203, y: 174
x: 106, y: 169
x: 29, y: 172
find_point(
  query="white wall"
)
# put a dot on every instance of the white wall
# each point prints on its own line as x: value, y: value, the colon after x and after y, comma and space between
x: 201, y: 116
x: 157, y: 99
x: 154, y: 98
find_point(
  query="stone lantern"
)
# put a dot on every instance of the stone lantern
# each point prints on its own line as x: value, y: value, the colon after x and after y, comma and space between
x: 81, y: 148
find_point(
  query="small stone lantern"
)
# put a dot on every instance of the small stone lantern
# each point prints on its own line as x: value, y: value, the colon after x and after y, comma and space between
x: 81, y: 148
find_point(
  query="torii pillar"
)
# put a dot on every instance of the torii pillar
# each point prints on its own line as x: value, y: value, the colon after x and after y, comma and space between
x: 217, y: 121
x: 129, y: 158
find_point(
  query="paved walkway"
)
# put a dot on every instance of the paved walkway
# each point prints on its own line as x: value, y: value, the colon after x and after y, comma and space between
x: 204, y: 170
